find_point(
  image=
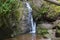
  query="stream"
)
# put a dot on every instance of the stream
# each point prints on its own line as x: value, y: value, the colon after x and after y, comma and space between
x: 25, y: 37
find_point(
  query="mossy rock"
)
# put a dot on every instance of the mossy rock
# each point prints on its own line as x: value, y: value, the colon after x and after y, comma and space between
x: 58, y: 33
x: 10, y: 17
x: 47, y: 9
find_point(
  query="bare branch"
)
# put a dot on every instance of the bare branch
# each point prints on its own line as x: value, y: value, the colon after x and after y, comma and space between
x: 54, y: 2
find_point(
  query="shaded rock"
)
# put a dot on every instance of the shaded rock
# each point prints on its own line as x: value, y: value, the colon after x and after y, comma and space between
x: 24, y: 26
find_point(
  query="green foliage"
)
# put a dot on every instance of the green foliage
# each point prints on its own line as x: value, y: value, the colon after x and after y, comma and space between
x: 43, y: 10
x: 54, y: 11
x: 8, y: 16
x: 58, y: 31
x: 7, y: 11
x: 38, y: 12
x: 7, y: 6
x: 41, y: 31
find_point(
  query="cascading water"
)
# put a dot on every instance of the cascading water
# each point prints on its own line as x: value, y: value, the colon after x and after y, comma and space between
x: 30, y: 18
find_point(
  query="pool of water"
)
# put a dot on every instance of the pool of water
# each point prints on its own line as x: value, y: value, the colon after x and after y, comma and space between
x: 27, y: 37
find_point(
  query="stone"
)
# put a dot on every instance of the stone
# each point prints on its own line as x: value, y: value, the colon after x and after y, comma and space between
x: 46, y: 25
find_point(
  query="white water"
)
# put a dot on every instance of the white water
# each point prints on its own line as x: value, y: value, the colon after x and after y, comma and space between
x: 30, y: 18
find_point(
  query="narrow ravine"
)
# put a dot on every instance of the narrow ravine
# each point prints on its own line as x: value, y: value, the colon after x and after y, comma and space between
x: 32, y: 34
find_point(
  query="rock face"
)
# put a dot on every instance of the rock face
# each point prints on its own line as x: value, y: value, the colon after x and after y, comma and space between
x: 23, y: 26
x: 37, y: 3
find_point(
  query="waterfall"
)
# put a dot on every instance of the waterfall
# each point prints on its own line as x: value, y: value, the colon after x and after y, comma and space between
x: 30, y: 18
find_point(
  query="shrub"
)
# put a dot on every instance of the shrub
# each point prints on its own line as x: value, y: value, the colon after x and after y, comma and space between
x: 8, y: 17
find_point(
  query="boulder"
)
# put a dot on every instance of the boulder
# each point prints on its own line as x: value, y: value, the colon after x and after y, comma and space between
x: 46, y: 25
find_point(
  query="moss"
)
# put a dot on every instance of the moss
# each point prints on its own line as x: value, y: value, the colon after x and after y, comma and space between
x: 39, y: 11
x: 10, y: 15
x: 41, y: 31
x: 52, y: 11
x: 58, y: 31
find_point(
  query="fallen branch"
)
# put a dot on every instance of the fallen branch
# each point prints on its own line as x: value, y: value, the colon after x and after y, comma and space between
x: 54, y: 2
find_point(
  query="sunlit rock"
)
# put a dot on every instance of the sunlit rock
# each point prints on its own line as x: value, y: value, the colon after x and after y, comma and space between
x: 46, y: 25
